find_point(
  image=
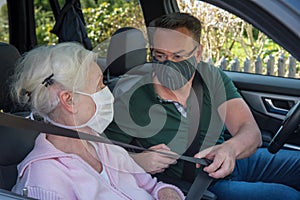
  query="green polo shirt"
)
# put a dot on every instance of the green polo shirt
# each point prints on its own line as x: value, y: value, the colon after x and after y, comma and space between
x: 140, y: 114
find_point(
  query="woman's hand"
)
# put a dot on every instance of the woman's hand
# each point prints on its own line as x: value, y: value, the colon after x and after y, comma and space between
x: 168, y: 194
x: 153, y: 162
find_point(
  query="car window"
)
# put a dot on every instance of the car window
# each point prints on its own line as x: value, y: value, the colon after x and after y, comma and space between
x: 233, y: 44
x: 4, y: 37
x: 102, y: 18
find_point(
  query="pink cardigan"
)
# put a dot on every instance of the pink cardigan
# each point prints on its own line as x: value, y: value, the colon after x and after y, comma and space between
x: 49, y: 173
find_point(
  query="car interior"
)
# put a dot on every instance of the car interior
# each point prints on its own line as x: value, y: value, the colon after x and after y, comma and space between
x: 130, y: 55
x: 127, y: 48
x: 126, y: 60
x: 14, y: 145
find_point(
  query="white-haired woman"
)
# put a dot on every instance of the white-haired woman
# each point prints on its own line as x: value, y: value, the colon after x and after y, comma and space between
x: 63, y: 84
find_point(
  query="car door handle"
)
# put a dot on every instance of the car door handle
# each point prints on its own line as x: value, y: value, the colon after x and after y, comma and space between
x: 274, y: 109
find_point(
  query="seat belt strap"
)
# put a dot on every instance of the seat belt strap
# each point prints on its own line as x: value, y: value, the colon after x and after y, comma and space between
x: 14, y: 121
x: 202, y: 180
x: 199, y: 186
x: 194, y: 128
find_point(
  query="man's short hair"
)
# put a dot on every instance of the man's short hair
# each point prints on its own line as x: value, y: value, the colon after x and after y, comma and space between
x: 179, y: 20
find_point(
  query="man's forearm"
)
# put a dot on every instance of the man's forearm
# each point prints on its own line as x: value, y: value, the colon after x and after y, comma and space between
x: 246, y: 140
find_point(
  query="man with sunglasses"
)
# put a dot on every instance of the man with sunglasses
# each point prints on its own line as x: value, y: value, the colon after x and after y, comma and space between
x: 156, y: 113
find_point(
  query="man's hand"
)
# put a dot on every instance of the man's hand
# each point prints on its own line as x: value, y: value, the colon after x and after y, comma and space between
x: 153, y: 162
x: 168, y: 194
x: 223, y: 157
x: 245, y: 139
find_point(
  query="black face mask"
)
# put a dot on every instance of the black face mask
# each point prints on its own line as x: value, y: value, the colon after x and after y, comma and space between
x: 175, y: 75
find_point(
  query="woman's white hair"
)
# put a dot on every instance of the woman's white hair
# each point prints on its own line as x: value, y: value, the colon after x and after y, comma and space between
x: 68, y: 62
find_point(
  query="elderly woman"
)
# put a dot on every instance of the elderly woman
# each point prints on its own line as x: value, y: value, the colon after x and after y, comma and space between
x: 63, y: 84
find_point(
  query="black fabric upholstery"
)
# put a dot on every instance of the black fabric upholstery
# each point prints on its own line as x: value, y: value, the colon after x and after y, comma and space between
x: 8, y: 176
x: 8, y: 57
x: 127, y: 49
x: 15, y: 144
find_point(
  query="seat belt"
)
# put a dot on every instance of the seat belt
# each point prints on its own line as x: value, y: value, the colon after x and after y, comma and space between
x: 13, y: 121
x: 202, y: 180
x: 194, y: 128
x: 200, y: 183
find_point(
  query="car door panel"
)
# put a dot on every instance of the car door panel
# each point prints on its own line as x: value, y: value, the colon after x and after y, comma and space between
x: 272, y: 105
x: 269, y: 99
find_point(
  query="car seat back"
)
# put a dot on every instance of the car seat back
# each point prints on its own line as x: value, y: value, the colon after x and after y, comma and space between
x: 8, y: 57
x: 127, y: 49
x: 15, y: 144
x: 131, y: 78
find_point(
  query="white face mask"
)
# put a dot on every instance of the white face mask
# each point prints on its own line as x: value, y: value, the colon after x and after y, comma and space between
x: 103, y: 114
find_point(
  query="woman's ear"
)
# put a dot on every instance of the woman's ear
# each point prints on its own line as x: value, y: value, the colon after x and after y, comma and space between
x: 66, y: 100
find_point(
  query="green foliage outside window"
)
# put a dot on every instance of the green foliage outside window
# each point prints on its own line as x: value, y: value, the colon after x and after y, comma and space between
x: 224, y: 35
x: 4, y: 24
x: 104, y: 18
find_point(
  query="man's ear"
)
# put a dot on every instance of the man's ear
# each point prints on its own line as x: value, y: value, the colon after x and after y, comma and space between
x: 66, y: 100
x: 199, y: 53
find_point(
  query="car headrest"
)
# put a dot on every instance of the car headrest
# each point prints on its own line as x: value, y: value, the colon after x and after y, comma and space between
x: 8, y: 57
x: 127, y: 49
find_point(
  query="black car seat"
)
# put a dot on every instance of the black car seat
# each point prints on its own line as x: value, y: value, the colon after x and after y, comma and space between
x: 127, y: 49
x: 14, y: 143
x: 8, y: 56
